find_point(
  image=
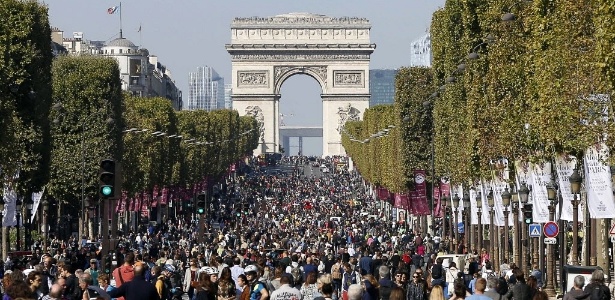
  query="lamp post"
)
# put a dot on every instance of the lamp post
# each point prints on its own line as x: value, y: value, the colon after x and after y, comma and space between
x: 523, y: 194
x: 550, y: 285
x: 495, y: 250
x: 27, y: 235
x: 2, y: 242
x: 515, y: 209
x: 18, y: 215
x: 575, y: 188
x: 506, y: 202
x: 466, y: 214
x: 455, y: 228
x: 479, y: 205
x: 45, y: 227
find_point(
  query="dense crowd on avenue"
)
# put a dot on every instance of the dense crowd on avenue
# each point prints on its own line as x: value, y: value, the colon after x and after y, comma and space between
x: 306, y: 235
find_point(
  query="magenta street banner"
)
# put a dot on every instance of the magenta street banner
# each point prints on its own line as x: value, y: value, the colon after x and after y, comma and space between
x: 419, y: 195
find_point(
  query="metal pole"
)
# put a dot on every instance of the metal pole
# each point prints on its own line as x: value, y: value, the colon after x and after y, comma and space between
x: 466, y: 225
x: 575, y: 230
x: 18, y: 235
x: 506, y: 233
x: 550, y: 284
x: 516, y: 234
x: 480, y: 231
x: 524, y: 247
x: 492, y: 243
x: 456, y: 230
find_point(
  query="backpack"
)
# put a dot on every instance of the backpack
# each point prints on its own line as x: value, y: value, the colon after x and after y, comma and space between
x: 598, y: 292
x: 297, y: 276
x: 335, y: 271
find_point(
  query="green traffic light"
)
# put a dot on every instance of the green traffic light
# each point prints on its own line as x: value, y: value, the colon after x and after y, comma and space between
x: 238, y: 214
x: 200, y: 210
x: 106, y: 191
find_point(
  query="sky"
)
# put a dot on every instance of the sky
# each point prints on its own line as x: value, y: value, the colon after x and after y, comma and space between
x: 186, y: 34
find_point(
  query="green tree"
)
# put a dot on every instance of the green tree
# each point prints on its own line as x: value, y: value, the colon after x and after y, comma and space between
x: 25, y: 93
x: 87, y: 90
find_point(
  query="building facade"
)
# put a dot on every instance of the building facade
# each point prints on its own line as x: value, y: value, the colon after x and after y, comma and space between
x: 228, y: 99
x: 206, y: 90
x: 141, y: 74
x: 420, y: 52
x: 382, y: 86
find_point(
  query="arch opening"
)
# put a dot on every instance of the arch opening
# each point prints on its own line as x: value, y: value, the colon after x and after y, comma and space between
x: 301, y: 113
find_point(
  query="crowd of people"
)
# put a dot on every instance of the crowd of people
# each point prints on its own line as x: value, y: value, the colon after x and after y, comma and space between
x: 283, y: 233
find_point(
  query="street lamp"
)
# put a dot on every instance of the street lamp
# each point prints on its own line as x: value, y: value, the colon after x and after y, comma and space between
x: 552, y: 195
x: 515, y: 209
x: 479, y: 205
x: 492, y: 231
x: 446, y: 222
x: 455, y: 211
x: 45, y: 227
x: 1, y: 217
x: 523, y: 195
x: 27, y: 223
x: 18, y: 215
x: 506, y: 202
x: 466, y: 215
x: 575, y: 188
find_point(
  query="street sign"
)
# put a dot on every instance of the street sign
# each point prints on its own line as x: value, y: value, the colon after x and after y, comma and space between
x: 550, y: 241
x: 460, y: 228
x: 535, y: 230
x: 612, y: 231
x: 551, y: 229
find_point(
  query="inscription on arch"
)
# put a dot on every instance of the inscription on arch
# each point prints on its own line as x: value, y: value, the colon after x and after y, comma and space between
x: 253, y: 78
x: 349, y: 78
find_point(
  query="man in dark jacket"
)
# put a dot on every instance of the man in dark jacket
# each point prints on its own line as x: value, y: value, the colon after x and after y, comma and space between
x: 520, y: 291
x: 386, y: 284
x: 137, y: 288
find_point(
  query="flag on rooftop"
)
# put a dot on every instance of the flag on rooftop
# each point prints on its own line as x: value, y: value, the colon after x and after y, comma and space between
x: 112, y: 10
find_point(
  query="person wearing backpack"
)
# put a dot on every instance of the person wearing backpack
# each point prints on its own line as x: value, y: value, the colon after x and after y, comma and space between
x: 258, y: 289
x: 336, y: 274
x: 596, y: 289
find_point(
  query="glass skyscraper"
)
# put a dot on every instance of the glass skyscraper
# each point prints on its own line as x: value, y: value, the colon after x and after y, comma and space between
x: 382, y: 86
x: 206, y: 90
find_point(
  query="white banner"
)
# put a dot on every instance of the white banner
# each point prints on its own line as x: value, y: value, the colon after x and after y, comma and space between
x: 499, y: 187
x: 565, y: 166
x: 598, y: 186
x: 484, y: 189
x: 541, y: 175
x: 460, y: 209
x: 8, y: 215
x: 36, y: 198
x: 473, y: 207
x: 523, y: 175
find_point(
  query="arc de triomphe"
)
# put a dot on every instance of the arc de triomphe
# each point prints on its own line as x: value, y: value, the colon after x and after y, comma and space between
x: 334, y: 51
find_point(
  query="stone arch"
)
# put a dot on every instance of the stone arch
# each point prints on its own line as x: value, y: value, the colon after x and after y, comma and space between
x: 265, y: 52
x: 282, y: 73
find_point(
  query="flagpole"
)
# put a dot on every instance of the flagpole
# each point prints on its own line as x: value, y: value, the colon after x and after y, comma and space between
x: 121, y: 34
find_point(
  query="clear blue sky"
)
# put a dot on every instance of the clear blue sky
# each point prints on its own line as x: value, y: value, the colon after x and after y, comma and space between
x: 185, y: 34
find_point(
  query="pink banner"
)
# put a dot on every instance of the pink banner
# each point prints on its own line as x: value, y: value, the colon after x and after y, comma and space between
x: 398, y: 201
x: 164, y: 195
x: 418, y: 197
x: 437, y: 210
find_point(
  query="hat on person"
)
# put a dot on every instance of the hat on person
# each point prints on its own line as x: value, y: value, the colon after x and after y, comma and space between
x: 93, y: 260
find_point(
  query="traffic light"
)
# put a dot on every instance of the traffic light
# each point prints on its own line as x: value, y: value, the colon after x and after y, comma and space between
x: 527, y: 214
x: 107, y: 178
x: 200, y: 204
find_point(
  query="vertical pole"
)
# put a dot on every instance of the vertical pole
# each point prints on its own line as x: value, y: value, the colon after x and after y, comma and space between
x: 455, y: 228
x: 480, y: 231
x: 592, y: 246
x: 491, y: 236
x: 524, y: 247
x: 575, y: 230
x: 121, y: 34
x: 506, y: 233
x: 516, y: 234
x: 82, y: 216
x: 496, y: 259
x: 550, y: 284
x: 18, y: 235
x: 467, y: 229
